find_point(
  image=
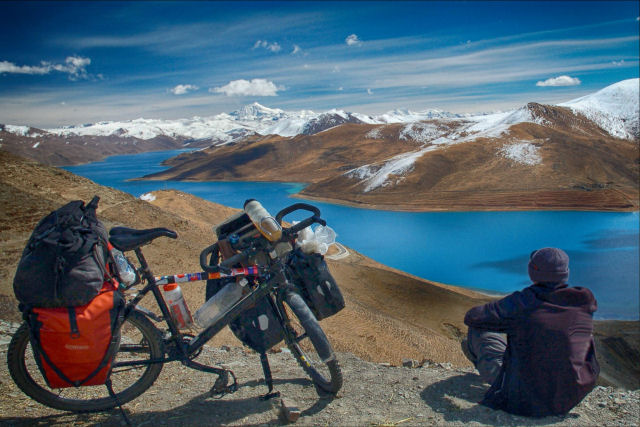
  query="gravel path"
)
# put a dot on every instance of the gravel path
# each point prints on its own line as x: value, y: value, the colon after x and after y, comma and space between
x: 373, y: 394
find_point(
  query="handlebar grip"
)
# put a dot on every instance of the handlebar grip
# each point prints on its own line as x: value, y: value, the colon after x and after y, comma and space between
x: 315, y: 211
x: 203, y: 259
x: 305, y: 223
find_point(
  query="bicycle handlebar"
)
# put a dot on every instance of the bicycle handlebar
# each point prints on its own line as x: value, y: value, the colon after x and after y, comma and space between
x: 315, y: 218
x: 241, y: 257
x: 203, y: 259
x: 224, y: 266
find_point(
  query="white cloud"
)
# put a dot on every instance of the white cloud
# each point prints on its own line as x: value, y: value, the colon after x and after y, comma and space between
x: 296, y: 49
x: 369, y: 91
x: 255, y: 87
x: 352, y: 40
x: 10, y: 67
x: 183, y: 89
x: 75, y: 66
x: 618, y: 63
x: 273, y: 47
x: 560, y: 81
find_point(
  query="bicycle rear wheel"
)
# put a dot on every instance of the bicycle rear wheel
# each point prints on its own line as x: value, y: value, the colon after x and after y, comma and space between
x: 310, y: 346
x: 140, y: 341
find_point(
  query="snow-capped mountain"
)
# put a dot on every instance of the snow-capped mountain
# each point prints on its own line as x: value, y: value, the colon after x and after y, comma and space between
x: 537, y: 156
x: 614, y: 108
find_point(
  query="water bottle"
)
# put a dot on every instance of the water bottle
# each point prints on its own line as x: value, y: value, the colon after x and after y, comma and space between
x: 264, y: 222
x: 177, y: 305
x: 126, y: 273
x: 212, y: 310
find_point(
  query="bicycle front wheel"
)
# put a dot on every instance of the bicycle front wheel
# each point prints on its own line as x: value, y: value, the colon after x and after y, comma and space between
x: 310, y: 346
x: 140, y: 342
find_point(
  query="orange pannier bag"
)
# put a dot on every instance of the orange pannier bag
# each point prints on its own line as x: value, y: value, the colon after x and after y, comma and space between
x: 74, y: 346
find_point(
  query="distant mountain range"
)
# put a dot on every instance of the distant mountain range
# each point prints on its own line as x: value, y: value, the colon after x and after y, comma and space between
x: 418, y: 160
x: 614, y: 108
x: 581, y: 155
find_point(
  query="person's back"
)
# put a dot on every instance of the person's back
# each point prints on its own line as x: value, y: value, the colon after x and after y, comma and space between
x: 549, y: 362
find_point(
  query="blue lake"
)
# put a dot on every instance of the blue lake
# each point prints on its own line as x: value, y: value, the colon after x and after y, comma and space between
x: 483, y: 250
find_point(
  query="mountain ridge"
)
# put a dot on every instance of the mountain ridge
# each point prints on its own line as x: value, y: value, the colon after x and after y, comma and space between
x: 264, y: 120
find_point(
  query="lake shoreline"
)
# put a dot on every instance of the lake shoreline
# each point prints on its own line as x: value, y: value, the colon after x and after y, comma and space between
x: 418, y: 209
x: 403, y: 207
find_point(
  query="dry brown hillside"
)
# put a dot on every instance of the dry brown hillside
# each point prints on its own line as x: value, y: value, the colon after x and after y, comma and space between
x: 56, y: 150
x: 389, y: 316
x: 580, y: 167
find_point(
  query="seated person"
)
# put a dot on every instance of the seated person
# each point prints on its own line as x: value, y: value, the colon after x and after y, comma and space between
x: 547, y: 364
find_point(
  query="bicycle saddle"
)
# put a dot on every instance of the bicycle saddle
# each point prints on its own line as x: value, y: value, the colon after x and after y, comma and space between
x: 128, y: 239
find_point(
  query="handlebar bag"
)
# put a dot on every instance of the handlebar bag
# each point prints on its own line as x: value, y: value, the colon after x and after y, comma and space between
x: 75, y: 346
x: 65, y: 260
x: 316, y: 284
x: 258, y: 327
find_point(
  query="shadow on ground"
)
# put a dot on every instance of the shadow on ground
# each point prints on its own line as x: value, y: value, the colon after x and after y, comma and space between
x: 201, y: 410
x: 457, y: 397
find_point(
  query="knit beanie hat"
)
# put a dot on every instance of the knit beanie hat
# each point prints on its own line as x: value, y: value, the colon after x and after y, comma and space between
x: 549, y: 265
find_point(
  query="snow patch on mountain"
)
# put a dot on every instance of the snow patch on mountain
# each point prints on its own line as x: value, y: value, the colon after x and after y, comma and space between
x: 421, y: 132
x: 614, y: 108
x: 522, y: 152
x: 22, y: 131
x: 389, y: 172
x: 401, y: 115
x: 375, y: 133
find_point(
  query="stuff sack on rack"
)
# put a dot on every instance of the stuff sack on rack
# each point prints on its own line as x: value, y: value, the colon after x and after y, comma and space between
x: 64, y: 262
x: 317, y: 286
x: 75, y: 346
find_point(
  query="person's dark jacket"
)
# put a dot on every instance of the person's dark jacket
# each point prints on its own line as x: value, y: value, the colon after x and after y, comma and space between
x: 550, y: 363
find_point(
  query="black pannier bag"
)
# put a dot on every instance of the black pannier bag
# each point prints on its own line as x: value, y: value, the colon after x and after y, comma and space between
x: 258, y: 327
x: 64, y: 262
x: 318, y: 287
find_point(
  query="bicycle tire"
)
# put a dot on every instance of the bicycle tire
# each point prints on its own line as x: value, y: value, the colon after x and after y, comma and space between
x: 140, y: 338
x: 309, y: 345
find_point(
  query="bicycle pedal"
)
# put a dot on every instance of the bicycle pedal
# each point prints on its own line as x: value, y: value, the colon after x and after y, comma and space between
x: 221, y: 383
x: 221, y: 388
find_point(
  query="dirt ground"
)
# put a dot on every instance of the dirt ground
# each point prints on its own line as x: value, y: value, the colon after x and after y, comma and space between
x: 373, y: 394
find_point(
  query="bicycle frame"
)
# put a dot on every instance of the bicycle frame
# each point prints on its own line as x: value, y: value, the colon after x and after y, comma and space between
x: 186, y: 350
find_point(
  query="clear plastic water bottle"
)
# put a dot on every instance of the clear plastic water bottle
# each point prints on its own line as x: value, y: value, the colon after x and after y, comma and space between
x: 264, y: 222
x: 177, y: 305
x: 212, y: 310
x: 126, y: 273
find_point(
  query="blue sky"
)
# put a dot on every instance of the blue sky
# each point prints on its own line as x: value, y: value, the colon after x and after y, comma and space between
x: 81, y: 62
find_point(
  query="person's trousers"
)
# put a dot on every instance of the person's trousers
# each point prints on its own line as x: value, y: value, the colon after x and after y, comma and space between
x: 486, y: 350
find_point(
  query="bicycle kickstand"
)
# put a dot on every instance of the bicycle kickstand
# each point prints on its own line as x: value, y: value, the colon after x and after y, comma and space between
x: 267, y: 378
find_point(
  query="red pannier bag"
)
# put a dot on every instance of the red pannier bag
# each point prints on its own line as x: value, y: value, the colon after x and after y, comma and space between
x: 75, y: 346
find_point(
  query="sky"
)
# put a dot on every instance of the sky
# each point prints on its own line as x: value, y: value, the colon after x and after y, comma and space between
x: 66, y: 63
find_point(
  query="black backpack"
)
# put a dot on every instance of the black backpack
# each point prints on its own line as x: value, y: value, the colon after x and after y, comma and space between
x: 65, y: 261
